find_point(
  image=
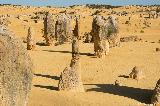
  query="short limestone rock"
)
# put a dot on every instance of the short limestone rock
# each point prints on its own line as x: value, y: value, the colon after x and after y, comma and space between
x: 136, y: 73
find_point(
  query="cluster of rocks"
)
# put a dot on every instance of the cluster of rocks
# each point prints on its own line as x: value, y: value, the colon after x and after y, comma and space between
x: 98, y: 6
x: 16, y: 66
x: 4, y: 20
x: 57, y: 27
x: 39, y: 15
x: 130, y: 38
x: 104, y: 33
x: 88, y: 38
x: 150, y: 14
x: 137, y: 74
x: 124, y: 13
x: 153, y: 14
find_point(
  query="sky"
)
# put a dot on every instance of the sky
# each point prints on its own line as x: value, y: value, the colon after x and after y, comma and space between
x: 61, y: 3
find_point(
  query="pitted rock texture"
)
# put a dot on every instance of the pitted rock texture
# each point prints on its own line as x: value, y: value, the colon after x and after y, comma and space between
x: 70, y: 79
x: 63, y: 29
x: 30, y: 39
x: 49, y: 28
x: 136, y: 73
x: 156, y: 94
x: 15, y: 71
x: 99, y: 33
x: 130, y: 38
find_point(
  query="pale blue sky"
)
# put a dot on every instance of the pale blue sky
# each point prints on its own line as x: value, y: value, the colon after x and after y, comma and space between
x: 73, y: 2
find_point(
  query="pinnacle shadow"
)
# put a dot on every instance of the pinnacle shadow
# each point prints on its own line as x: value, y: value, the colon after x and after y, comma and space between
x: 41, y: 44
x: 47, y: 87
x: 47, y: 76
x: 141, y: 95
x: 124, y: 76
x: 69, y: 52
x: 58, y: 51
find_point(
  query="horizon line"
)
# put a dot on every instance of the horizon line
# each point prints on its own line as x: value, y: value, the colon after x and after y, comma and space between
x: 1, y: 4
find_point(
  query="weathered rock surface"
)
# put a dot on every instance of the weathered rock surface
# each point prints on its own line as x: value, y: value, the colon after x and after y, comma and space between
x: 63, y: 29
x: 136, y: 73
x: 101, y: 45
x: 70, y: 79
x: 130, y: 38
x: 15, y: 71
x: 49, y: 28
x: 156, y: 95
x: 30, y: 39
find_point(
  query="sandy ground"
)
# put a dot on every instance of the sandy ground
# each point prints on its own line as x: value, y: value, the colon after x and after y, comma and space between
x: 98, y: 75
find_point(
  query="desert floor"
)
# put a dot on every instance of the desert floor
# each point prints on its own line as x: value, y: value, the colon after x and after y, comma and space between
x: 98, y: 75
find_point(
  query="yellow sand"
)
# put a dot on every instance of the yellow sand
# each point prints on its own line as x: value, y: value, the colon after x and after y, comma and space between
x: 98, y: 75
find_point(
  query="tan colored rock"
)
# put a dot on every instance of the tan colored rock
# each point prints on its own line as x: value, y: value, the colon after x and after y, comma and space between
x: 112, y: 31
x: 30, y: 39
x: 152, y: 14
x: 157, y: 49
x: 4, y: 21
x: 136, y: 73
x: 15, y: 71
x: 130, y: 38
x: 156, y: 94
x: 63, y: 29
x: 49, y: 28
x: 101, y: 45
x: 117, y: 83
x: 88, y: 38
x: 103, y: 48
x: 70, y: 79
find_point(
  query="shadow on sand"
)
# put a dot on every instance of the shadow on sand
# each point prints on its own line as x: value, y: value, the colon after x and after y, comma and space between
x: 87, y: 54
x: 47, y: 76
x: 141, y: 95
x: 124, y: 76
x: 41, y: 44
x: 47, y: 87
